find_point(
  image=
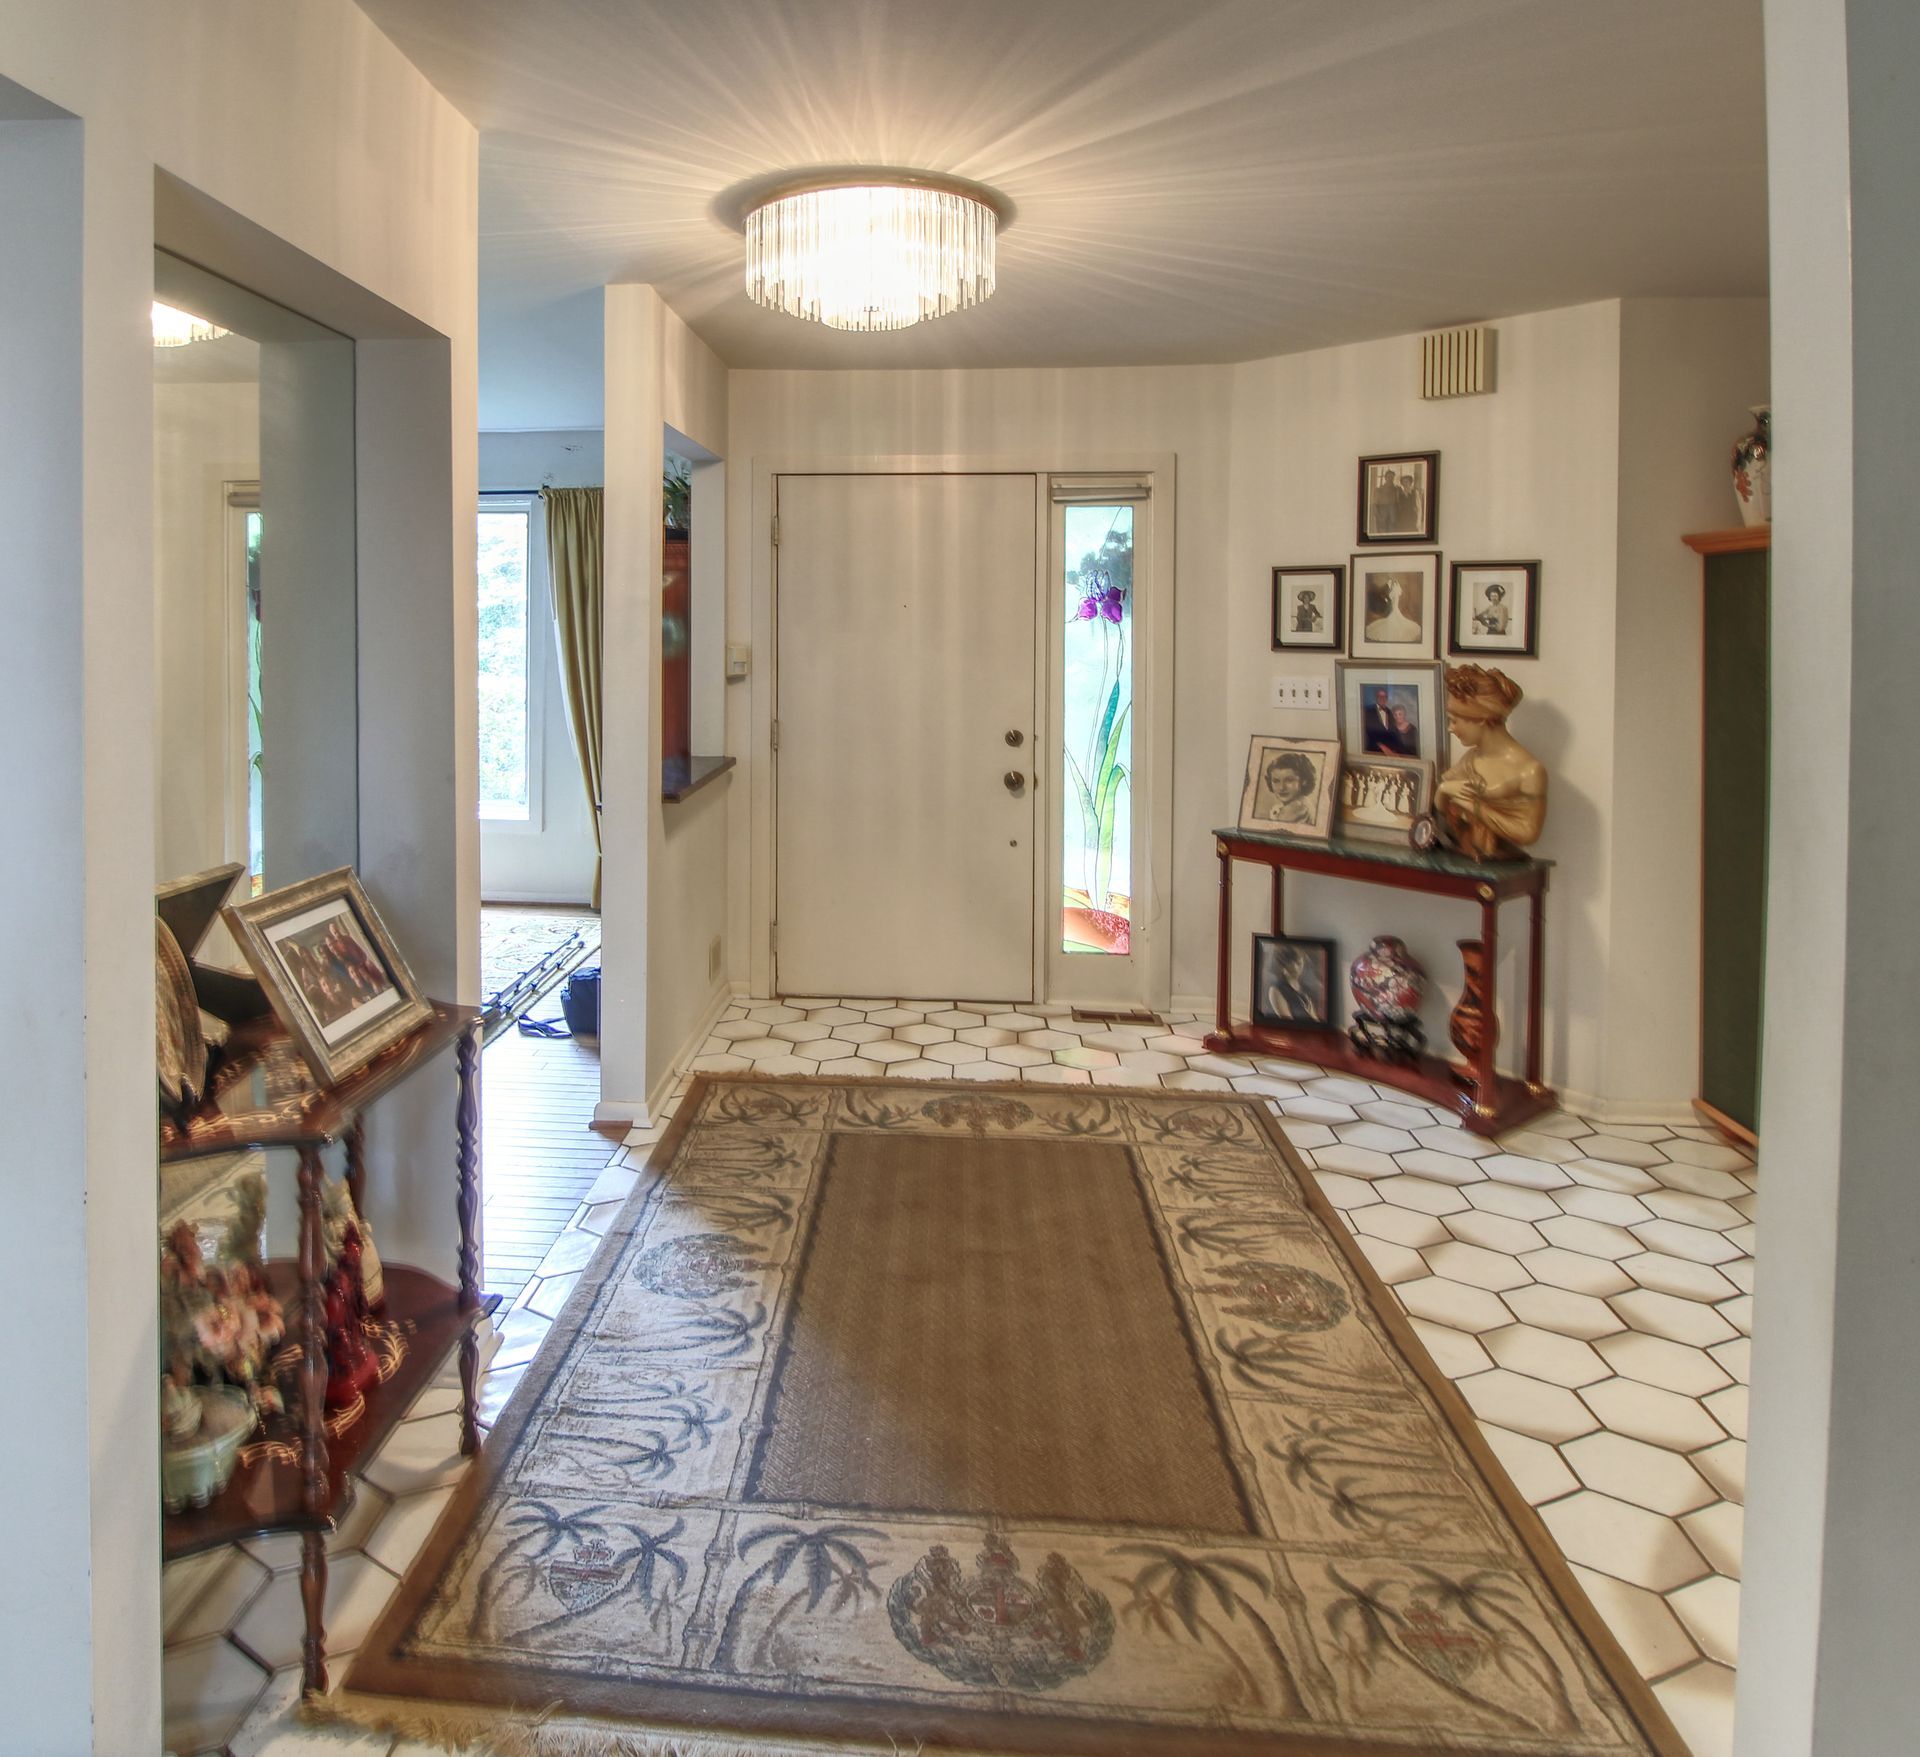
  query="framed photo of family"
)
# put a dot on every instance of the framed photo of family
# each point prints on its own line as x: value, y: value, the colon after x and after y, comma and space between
x: 1391, y: 710
x: 1494, y: 607
x: 1395, y: 607
x: 1292, y: 981
x: 1383, y: 797
x: 335, y: 978
x: 1400, y: 498
x: 1290, y: 785
x: 1309, y: 609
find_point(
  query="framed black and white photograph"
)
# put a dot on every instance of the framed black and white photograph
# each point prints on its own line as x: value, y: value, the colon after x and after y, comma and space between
x: 1309, y: 609
x: 1400, y: 498
x: 1383, y: 797
x: 1394, y: 609
x: 1292, y: 981
x: 1290, y: 785
x: 1392, y: 710
x: 1494, y: 607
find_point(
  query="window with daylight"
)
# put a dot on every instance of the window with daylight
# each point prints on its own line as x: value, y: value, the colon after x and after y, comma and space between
x: 1097, y: 906
x: 506, y: 769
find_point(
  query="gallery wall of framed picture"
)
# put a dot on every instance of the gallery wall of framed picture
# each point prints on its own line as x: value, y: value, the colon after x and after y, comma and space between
x: 1387, y: 604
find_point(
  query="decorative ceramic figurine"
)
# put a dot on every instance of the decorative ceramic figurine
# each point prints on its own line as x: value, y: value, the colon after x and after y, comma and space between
x: 1493, y: 802
x: 1753, y: 470
x: 1387, y: 982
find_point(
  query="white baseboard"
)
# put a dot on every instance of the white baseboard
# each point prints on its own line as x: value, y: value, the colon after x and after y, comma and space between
x: 536, y: 897
x: 1192, y: 1003
x: 645, y: 1114
x: 1655, y: 1112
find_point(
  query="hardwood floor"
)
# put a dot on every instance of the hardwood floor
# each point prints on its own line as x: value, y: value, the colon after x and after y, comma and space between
x: 539, y: 1158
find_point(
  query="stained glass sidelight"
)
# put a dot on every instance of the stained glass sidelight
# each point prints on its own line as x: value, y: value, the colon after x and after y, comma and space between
x: 1096, y: 875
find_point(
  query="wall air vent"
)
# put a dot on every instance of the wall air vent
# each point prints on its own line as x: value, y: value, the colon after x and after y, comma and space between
x: 1456, y: 363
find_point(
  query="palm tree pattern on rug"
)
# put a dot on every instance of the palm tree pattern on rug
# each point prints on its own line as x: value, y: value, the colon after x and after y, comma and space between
x: 610, y: 1555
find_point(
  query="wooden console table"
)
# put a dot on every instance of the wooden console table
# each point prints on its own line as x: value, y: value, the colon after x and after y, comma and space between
x: 264, y: 1095
x: 1488, y: 1102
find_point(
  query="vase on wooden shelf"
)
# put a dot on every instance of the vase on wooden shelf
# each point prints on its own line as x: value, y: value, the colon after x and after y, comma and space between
x: 1387, y: 983
x: 1752, y: 468
x: 1472, y: 1025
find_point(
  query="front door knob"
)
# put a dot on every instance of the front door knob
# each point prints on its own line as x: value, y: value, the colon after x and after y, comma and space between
x: 1014, y: 780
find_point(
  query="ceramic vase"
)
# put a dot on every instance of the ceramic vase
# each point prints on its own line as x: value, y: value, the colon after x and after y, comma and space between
x: 1752, y: 469
x: 1387, y: 981
x: 1472, y: 1018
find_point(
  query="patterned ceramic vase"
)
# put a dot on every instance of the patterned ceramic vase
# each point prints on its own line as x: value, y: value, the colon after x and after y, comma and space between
x: 1752, y: 469
x: 1388, y: 981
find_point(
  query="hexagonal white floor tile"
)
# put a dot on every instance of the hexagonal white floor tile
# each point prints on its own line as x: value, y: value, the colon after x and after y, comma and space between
x: 1678, y: 1320
x: 1710, y: 1609
x: 1631, y: 1470
x: 357, y: 1592
x: 1566, y: 1314
x: 1454, y: 1353
x: 1640, y: 1622
x: 1725, y: 1466
x: 209, y: 1687
x: 1526, y: 1406
x: 1644, y: 1412
x: 1494, y: 1232
x: 1671, y: 1366
x: 1404, y: 1226
x: 1421, y: 1194
x: 1537, y: 1470
x: 1541, y: 1354
x: 1494, y: 1270
x: 1627, y: 1542
x: 1454, y: 1304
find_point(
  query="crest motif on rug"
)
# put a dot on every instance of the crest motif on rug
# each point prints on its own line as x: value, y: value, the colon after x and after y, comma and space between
x: 996, y: 1628
x: 979, y: 1114
x: 697, y: 1267
x: 589, y: 1577
x: 1281, y: 1296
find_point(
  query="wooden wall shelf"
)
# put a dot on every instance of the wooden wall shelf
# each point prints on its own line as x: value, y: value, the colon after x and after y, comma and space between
x: 1734, y: 542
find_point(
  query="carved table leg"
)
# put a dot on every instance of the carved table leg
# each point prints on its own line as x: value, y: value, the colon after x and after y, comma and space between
x: 1279, y: 900
x: 1223, y: 1000
x: 357, y: 1164
x: 1536, y: 957
x: 467, y: 1130
x: 313, y: 1417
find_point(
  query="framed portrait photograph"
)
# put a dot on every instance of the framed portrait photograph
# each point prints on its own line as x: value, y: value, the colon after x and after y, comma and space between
x: 1392, y: 710
x: 1292, y: 981
x: 1309, y: 609
x: 1394, y: 606
x: 1494, y: 607
x: 335, y: 978
x: 1383, y: 797
x: 1400, y: 498
x: 1290, y: 785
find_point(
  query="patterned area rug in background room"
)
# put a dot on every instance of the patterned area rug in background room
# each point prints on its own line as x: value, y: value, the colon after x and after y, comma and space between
x: 521, y: 948
x: 1007, y: 1421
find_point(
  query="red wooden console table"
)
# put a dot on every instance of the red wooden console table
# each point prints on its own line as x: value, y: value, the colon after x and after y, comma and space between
x: 1488, y: 1102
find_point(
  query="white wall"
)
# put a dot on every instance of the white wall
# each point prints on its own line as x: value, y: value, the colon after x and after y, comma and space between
x: 308, y: 123
x: 1689, y: 371
x: 1830, y: 1592
x: 549, y: 860
x: 1062, y: 418
x: 205, y: 435
x: 1603, y: 443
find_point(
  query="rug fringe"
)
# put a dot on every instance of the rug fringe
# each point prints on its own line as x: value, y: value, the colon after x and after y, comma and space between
x: 548, y: 1732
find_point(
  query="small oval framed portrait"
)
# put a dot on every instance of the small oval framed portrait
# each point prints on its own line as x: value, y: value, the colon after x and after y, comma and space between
x: 1309, y: 609
x: 1494, y: 607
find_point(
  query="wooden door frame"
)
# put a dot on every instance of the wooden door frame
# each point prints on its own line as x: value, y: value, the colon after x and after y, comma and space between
x: 1153, y: 686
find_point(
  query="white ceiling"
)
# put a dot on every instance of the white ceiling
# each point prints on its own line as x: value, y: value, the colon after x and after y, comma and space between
x: 1196, y: 180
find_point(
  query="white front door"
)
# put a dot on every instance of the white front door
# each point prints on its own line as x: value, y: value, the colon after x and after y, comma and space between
x: 904, y: 852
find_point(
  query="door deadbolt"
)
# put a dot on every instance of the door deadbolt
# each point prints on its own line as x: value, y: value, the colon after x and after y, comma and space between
x: 1016, y: 738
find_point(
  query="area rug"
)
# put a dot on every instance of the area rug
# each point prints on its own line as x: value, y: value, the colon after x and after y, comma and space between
x: 521, y: 949
x: 996, y: 1420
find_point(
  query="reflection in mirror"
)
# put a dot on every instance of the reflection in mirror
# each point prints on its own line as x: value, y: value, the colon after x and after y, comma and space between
x: 257, y: 750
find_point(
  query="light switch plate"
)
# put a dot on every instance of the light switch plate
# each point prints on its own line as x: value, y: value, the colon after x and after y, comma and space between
x: 737, y: 658
x: 1302, y: 689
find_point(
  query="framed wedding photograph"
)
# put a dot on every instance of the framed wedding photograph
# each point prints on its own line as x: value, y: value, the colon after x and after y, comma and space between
x: 1400, y: 498
x: 1394, y: 611
x: 1494, y: 607
x: 1309, y: 609
x: 1292, y: 981
x: 1383, y: 797
x: 335, y: 978
x: 1391, y: 710
x: 1290, y: 785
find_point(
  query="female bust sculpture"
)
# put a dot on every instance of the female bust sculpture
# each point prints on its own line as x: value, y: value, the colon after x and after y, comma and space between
x: 1493, y: 802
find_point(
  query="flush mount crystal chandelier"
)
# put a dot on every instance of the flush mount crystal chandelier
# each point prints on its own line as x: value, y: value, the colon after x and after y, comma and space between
x: 174, y: 329
x: 872, y: 249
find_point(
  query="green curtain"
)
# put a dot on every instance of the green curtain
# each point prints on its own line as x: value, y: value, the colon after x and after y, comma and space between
x: 576, y: 527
